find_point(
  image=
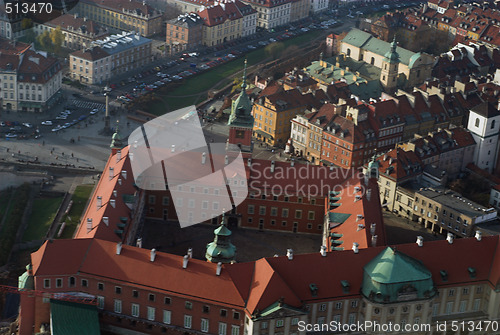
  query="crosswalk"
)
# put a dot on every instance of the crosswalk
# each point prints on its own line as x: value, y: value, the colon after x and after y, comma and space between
x: 87, y: 104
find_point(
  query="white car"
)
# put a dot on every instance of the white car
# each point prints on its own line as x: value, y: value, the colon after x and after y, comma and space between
x: 61, y: 117
x: 47, y: 123
x: 57, y: 128
x: 94, y: 111
x: 27, y: 125
x: 272, y: 40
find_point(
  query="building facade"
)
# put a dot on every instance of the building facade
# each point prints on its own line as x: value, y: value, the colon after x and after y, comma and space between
x: 90, y: 66
x: 184, y: 32
x: 271, y: 13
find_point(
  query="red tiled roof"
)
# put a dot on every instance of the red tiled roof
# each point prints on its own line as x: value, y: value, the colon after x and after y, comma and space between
x: 69, y: 20
x: 398, y: 164
x: 92, y: 54
x: 216, y: 15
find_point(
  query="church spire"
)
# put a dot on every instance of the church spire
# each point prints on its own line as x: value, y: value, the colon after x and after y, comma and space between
x: 244, y: 82
x: 116, y: 139
x: 221, y: 249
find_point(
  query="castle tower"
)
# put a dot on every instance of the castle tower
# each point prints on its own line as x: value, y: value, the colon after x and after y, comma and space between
x: 221, y: 249
x: 241, y: 122
x: 390, y: 65
x: 116, y: 141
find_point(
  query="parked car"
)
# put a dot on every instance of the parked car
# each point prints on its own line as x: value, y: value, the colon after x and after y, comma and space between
x: 47, y: 123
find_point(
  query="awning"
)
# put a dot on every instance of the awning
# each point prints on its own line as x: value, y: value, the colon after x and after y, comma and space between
x: 73, y: 318
x: 262, y: 133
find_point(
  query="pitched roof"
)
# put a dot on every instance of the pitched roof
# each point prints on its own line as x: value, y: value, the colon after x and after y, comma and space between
x: 132, y: 6
x: 93, y: 54
x: 74, y: 23
x: 486, y: 109
x: 220, y: 13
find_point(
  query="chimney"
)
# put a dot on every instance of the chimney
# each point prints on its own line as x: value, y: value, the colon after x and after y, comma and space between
x: 99, y: 202
x: 219, y: 269
x: 249, y: 162
x: 273, y: 164
x: 292, y: 163
x: 115, y: 193
x: 173, y: 148
x: 203, y: 158
x: 105, y: 219
x: 111, y: 173
x: 124, y: 174
x: 190, y: 252
x: 449, y: 238
x: 138, y: 244
x: 226, y: 160
x: 119, y: 248
x: 478, y: 235
x: 289, y: 254
x: 119, y: 181
x: 118, y: 155
x: 323, y: 251
x: 420, y: 241
x: 373, y: 226
x: 374, y: 240
x: 112, y: 202
x: 185, y: 261
x: 355, y: 247
x: 89, y: 224
x: 153, y: 255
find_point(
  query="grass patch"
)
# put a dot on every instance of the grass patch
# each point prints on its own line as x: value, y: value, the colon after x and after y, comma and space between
x: 194, y: 90
x: 43, y: 213
x: 80, y: 197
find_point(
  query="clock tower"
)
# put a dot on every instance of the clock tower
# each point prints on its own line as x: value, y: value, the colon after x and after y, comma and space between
x: 241, y: 122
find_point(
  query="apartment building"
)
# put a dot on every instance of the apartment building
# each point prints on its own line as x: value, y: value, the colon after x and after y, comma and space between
x: 271, y: 13
x: 78, y: 32
x: 223, y: 22
x: 30, y: 81
x: 184, y: 32
x: 90, y: 66
x: 443, y: 210
x: 299, y: 10
x: 123, y: 15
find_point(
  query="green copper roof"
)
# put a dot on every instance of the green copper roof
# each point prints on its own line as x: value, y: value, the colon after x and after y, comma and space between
x: 241, y: 108
x: 413, y: 60
x: 222, y: 231
x: 116, y: 139
x: 72, y: 318
x: 26, y: 282
x: 393, y: 276
x: 221, y: 249
x: 373, y: 164
x: 366, y: 41
x: 337, y: 217
x: 392, y: 55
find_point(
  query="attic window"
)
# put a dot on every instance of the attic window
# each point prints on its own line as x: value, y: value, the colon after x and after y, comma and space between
x: 472, y: 272
x: 345, y: 286
x: 314, y: 289
x: 444, y: 275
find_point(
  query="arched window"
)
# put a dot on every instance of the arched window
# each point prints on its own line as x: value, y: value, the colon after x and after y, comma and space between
x: 372, y: 61
x: 493, y: 124
x: 477, y: 122
x: 348, y: 52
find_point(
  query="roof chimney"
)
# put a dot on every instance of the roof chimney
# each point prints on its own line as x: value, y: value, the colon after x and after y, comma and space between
x: 105, y: 219
x: 249, y: 162
x: 323, y: 251
x: 219, y: 269
x: 118, y: 155
x: 203, y: 158
x: 89, y: 224
x: 152, y: 255
x: 185, y: 261
x: 112, y: 202
x: 289, y: 254
x: 355, y: 247
x: 111, y: 173
x: 420, y: 241
x: 138, y: 244
x: 119, y: 248
x: 173, y: 148
x: 478, y: 235
x: 226, y: 160
x: 374, y: 240
x: 124, y: 174
x: 115, y: 193
x: 119, y: 181
x: 449, y: 238
x: 99, y: 202
x: 273, y: 164
x: 190, y: 252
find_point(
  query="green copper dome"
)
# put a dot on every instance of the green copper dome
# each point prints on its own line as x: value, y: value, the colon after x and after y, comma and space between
x: 221, y: 249
x: 393, y: 276
x: 241, y: 109
x: 116, y: 139
x: 413, y: 59
x: 392, y: 55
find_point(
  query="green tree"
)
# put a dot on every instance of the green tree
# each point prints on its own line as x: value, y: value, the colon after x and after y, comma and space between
x: 274, y: 49
x: 26, y: 24
x: 57, y: 38
x: 44, y: 40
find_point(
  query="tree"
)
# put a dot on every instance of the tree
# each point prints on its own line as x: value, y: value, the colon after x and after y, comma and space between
x: 57, y: 38
x: 274, y: 49
x: 26, y: 24
x: 44, y: 40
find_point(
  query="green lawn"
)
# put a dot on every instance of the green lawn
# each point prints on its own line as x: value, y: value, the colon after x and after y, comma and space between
x: 193, y: 90
x: 43, y: 213
x: 80, y: 197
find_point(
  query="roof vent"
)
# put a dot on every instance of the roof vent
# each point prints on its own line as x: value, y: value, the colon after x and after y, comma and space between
x: 374, y: 240
x: 368, y: 194
x: 449, y: 238
x: 226, y: 160
x: 124, y: 174
x: 472, y: 272
x: 152, y: 255
x: 292, y: 163
x: 420, y: 241
x: 289, y: 254
x: 115, y: 193
x: 357, y: 198
x: 323, y: 251
x: 190, y: 252
x: 119, y: 248
x: 118, y: 155
x: 112, y: 202
x: 360, y: 226
x: 138, y: 243
x: 359, y: 217
x: 203, y: 158
x: 99, y: 202
x: 479, y: 235
x: 314, y: 289
x: 273, y: 165
x: 357, y: 188
x: 89, y: 224
x: 345, y: 286
x: 185, y: 261
x: 249, y: 162
x: 119, y: 181
x: 105, y: 219
x: 219, y: 269
x: 111, y: 173
x: 444, y: 275
x: 173, y: 148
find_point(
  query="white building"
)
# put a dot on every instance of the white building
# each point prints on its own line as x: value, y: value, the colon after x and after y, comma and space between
x: 319, y: 5
x: 271, y: 13
x: 249, y: 25
x: 484, y: 124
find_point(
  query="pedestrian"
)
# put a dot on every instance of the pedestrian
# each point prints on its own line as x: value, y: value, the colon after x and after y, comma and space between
x: 72, y: 155
x: 43, y: 142
x: 63, y: 154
